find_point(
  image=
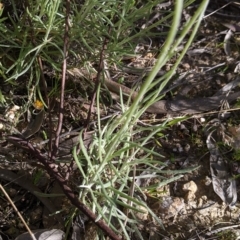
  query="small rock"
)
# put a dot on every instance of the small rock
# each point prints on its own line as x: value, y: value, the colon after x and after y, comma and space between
x: 41, y: 234
x: 140, y: 215
x: 169, y: 207
x: 207, y: 181
x: 191, y: 188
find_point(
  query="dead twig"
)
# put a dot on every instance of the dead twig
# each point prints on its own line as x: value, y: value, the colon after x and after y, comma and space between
x: 18, y: 213
x: 98, y: 79
x: 63, y: 81
x: 54, y: 172
x: 24, y: 182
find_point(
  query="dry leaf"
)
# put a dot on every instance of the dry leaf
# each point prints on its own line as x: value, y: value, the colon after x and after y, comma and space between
x: 223, y: 183
x: 34, y: 125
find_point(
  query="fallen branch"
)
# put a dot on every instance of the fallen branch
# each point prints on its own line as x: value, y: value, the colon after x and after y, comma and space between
x: 178, y: 105
x: 54, y: 172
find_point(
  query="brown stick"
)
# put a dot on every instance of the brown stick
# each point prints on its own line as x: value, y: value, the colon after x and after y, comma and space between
x: 98, y: 80
x: 18, y: 213
x: 178, y: 105
x: 52, y: 170
x: 64, y: 70
x: 24, y: 182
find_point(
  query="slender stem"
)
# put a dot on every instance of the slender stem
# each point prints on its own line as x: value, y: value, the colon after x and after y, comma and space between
x: 18, y: 213
x: 64, y: 70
